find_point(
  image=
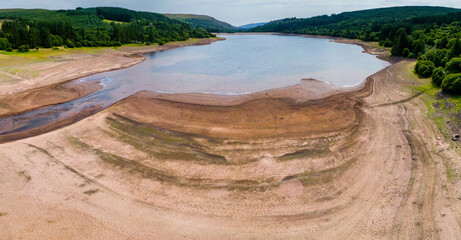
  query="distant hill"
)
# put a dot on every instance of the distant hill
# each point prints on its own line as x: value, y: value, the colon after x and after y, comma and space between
x: 251, y: 25
x: 84, y: 17
x: 351, y: 24
x: 209, y: 23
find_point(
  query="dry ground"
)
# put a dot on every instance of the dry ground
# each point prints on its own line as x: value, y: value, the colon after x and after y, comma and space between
x: 280, y: 164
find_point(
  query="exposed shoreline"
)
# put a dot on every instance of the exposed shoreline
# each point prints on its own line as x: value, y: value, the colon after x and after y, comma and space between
x: 129, y: 56
x: 306, y: 90
x: 278, y: 164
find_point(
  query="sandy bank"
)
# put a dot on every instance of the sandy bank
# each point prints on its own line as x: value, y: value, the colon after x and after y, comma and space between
x: 38, y: 83
x: 288, y: 163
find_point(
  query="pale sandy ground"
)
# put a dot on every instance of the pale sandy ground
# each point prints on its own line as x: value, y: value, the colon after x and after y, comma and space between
x: 38, y: 83
x: 280, y: 164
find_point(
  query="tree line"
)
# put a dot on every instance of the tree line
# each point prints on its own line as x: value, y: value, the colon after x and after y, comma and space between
x: 24, y: 34
x: 431, y: 35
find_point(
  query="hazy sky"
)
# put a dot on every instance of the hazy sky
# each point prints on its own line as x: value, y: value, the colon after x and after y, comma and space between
x: 235, y: 12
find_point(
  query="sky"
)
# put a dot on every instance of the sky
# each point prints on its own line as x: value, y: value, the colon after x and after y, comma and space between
x: 235, y: 12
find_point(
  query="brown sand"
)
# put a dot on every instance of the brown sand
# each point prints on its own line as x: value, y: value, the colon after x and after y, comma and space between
x: 46, y: 88
x: 280, y: 164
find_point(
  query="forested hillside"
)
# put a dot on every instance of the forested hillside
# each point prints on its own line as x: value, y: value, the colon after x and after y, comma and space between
x: 363, y: 24
x: 430, y: 34
x: 209, y: 23
x: 102, y: 26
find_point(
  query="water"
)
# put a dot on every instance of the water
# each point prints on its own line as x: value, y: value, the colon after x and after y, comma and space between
x: 241, y: 64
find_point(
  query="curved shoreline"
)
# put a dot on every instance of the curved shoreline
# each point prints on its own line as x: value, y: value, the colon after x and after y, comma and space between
x: 364, y: 164
x: 306, y: 90
x: 131, y: 55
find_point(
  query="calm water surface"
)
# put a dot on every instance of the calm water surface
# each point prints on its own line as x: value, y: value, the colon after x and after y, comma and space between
x: 241, y: 64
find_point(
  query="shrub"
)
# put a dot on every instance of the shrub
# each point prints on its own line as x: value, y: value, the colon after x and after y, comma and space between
x: 438, y: 75
x: 10, y: 49
x: 424, y: 68
x: 405, y: 52
x: 452, y: 83
x: 69, y: 43
x: 78, y: 44
x: 24, y: 48
x: 454, y: 65
x: 4, y: 44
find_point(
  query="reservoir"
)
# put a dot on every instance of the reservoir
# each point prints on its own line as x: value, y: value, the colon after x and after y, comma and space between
x: 241, y: 64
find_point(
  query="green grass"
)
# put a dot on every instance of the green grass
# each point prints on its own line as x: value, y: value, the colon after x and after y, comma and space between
x: 111, y: 21
x: 440, y: 111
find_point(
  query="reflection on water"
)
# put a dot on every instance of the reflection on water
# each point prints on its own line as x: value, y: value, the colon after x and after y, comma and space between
x: 239, y: 65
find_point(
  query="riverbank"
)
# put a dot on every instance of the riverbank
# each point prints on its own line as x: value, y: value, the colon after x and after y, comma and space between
x: 285, y: 163
x: 34, y: 80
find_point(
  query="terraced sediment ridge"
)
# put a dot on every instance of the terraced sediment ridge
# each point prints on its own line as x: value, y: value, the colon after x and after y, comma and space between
x: 285, y: 163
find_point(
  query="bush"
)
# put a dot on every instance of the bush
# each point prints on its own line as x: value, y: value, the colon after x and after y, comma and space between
x: 10, y: 49
x: 55, y: 48
x: 24, y: 48
x: 438, y: 75
x: 452, y: 83
x: 69, y: 43
x: 424, y: 68
x: 454, y: 65
x: 4, y: 44
x: 405, y: 52
x: 161, y: 43
x: 78, y: 44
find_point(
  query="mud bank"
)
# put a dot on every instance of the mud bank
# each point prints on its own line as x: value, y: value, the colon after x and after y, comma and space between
x: 48, y: 85
x: 286, y: 163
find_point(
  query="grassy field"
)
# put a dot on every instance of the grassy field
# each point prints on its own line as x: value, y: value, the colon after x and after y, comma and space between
x: 110, y: 21
x: 42, y: 55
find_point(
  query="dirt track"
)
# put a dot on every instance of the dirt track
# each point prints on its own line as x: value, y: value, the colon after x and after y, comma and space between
x: 281, y: 164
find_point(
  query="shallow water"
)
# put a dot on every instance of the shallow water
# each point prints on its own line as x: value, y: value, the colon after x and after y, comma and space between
x: 241, y: 64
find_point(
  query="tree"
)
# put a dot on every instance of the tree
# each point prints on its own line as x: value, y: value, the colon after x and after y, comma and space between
x: 424, y: 68
x: 438, y: 75
x: 45, y: 38
x: 69, y: 43
x: 418, y: 46
x: 4, y: 44
x: 452, y: 83
x: 456, y: 48
x: 401, y: 42
x: 454, y: 65
x: 405, y: 52
x: 24, y: 48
